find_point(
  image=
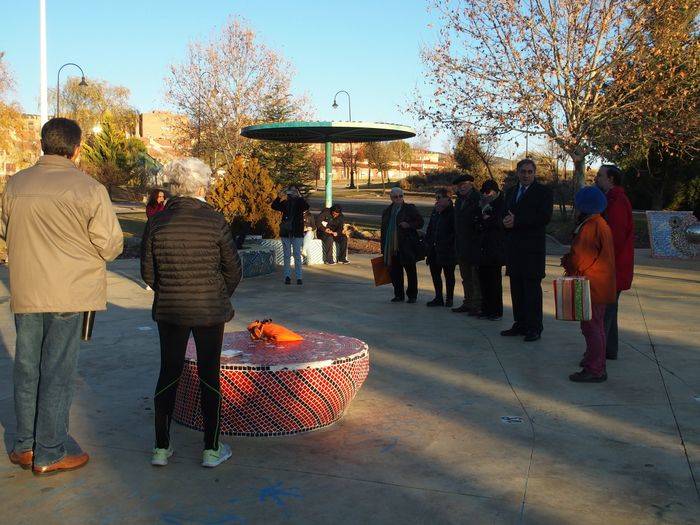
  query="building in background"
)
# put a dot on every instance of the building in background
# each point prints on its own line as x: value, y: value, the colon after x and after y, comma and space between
x: 157, y: 130
x: 421, y: 161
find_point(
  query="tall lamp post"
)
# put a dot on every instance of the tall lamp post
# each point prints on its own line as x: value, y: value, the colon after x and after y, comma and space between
x: 352, y: 157
x: 58, y: 85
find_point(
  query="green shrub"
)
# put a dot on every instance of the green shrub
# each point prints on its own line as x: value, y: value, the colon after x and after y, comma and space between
x: 244, y: 195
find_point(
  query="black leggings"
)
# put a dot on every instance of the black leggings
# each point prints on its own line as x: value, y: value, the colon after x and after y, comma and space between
x: 173, y: 344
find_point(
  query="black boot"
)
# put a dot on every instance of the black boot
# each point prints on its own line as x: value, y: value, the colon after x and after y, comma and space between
x: 435, y: 302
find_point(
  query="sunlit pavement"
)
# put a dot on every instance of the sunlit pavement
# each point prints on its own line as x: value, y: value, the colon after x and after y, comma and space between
x: 454, y: 424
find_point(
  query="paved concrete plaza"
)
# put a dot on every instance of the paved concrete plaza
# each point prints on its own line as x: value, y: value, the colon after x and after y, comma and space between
x: 423, y: 442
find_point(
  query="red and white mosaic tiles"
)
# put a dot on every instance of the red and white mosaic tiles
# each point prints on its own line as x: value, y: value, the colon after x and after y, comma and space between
x: 271, y: 389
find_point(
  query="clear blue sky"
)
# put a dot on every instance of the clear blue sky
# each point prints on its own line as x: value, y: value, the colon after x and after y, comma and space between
x: 367, y: 47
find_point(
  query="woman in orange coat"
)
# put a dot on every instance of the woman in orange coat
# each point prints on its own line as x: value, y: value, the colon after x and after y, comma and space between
x: 592, y: 255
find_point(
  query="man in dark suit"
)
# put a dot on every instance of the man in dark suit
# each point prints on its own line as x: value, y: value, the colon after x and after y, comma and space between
x: 527, y: 213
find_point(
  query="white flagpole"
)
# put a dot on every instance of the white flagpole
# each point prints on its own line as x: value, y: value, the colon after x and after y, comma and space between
x: 44, y: 94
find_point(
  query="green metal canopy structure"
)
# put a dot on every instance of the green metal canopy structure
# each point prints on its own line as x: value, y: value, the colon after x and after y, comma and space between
x: 328, y: 132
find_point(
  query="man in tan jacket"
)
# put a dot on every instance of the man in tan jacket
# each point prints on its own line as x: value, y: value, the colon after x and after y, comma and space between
x: 60, y: 229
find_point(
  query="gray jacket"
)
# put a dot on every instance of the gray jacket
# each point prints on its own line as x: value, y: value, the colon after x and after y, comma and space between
x: 60, y: 229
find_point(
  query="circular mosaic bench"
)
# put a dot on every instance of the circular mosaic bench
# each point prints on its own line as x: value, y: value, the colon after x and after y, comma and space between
x: 274, y: 389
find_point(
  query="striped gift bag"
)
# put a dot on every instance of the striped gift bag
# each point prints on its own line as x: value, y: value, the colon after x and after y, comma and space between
x: 572, y: 298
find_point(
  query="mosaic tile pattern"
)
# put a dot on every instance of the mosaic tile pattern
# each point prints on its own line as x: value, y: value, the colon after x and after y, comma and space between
x: 667, y: 234
x: 273, y: 389
x: 313, y: 256
x: 257, y: 261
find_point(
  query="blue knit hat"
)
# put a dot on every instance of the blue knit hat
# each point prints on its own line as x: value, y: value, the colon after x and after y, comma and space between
x: 590, y: 200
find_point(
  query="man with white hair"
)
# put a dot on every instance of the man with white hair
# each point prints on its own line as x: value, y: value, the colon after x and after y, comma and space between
x: 401, y: 245
x: 190, y: 260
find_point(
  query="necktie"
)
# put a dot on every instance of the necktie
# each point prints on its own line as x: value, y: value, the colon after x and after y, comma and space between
x: 521, y: 192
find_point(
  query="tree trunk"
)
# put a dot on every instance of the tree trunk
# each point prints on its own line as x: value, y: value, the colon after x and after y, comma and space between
x: 579, y: 172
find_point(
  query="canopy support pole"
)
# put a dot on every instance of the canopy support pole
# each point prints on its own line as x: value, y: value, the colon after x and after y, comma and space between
x: 329, y: 176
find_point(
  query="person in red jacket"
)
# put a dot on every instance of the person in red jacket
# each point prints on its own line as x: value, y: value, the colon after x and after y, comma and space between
x: 592, y: 256
x: 156, y: 202
x: 618, y: 214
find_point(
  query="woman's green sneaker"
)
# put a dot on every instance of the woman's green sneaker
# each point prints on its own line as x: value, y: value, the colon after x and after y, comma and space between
x: 214, y: 458
x: 160, y: 456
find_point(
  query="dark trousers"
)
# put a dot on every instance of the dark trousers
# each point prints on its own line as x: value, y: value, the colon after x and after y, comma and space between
x: 470, y: 283
x: 396, y: 269
x: 491, y: 290
x: 594, y: 333
x: 341, y: 248
x: 611, y: 329
x: 436, y: 271
x: 173, y: 344
x: 526, y: 294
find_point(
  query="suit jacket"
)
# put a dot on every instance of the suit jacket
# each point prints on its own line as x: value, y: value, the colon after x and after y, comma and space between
x: 525, y: 242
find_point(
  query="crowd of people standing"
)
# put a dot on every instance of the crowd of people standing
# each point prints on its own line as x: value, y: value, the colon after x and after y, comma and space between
x: 485, y: 229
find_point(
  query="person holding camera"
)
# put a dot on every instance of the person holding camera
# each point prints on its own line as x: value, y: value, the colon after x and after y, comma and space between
x: 440, y: 247
x: 492, y: 254
x: 292, y: 206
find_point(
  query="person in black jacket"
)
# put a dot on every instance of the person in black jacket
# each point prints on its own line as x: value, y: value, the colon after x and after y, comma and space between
x: 401, y: 245
x: 467, y: 241
x: 189, y: 259
x: 440, y: 248
x: 330, y: 224
x: 528, y: 210
x: 491, y: 258
x: 292, y: 205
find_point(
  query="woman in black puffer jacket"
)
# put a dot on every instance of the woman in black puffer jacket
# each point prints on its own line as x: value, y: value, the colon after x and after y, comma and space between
x: 190, y: 260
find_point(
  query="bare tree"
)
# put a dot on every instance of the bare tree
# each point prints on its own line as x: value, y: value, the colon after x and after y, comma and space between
x: 223, y: 85
x: 545, y: 66
x: 401, y: 152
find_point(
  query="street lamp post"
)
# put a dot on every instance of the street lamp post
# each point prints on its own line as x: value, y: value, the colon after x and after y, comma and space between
x: 352, y: 157
x: 58, y: 85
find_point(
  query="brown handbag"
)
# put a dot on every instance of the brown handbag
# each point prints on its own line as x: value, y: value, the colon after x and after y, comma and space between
x: 381, y: 271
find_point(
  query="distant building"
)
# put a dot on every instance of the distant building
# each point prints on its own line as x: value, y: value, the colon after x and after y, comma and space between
x: 422, y: 161
x: 158, y: 131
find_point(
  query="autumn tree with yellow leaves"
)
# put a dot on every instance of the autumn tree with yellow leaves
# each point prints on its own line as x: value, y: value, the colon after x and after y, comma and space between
x: 244, y: 195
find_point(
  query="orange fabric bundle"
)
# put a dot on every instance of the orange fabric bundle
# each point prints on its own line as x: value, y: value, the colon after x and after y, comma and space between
x: 269, y: 331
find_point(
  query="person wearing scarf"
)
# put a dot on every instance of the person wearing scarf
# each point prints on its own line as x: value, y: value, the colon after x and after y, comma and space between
x: 440, y: 248
x: 401, y: 245
x: 592, y: 255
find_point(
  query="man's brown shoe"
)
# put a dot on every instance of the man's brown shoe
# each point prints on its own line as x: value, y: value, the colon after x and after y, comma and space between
x: 23, y: 459
x: 67, y: 463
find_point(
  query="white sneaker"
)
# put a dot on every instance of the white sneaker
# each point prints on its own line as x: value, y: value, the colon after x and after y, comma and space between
x: 214, y: 458
x: 160, y: 456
